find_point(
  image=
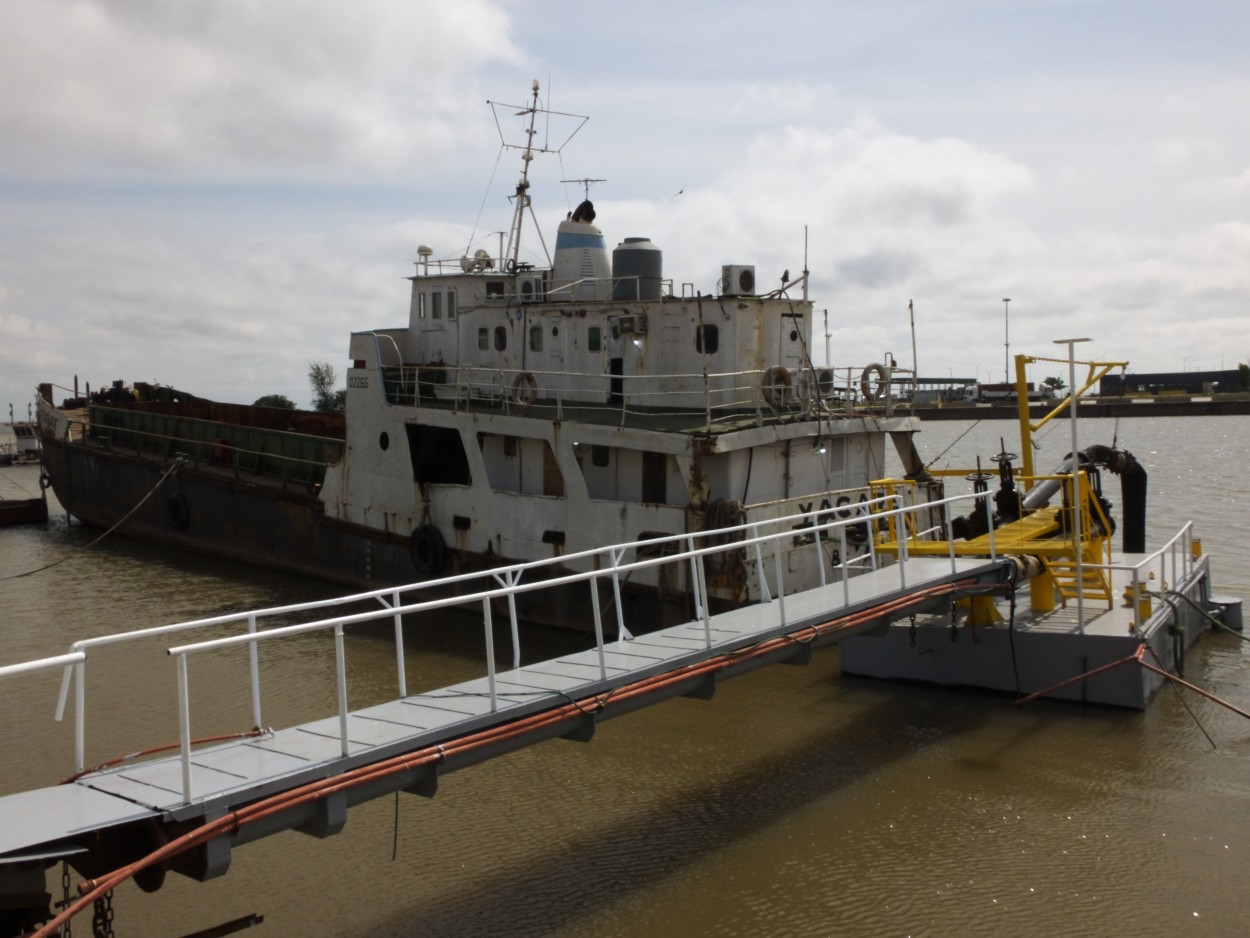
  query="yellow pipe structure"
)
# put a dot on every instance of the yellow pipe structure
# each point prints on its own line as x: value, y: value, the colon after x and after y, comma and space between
x: 1097, y: 370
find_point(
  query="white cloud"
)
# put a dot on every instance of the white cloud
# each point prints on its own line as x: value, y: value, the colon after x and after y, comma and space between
x: 194, y: 192
x: 234, y: 87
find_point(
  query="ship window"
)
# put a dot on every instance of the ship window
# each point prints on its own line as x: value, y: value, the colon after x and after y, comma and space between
x: 436, y: 306
x: 594, y: 339
x: 555, y: 330
x: 483, y: 339
x: 655, y: 478
x: 599, y: 455
x: 707, y: 339
x: 438, y: 456
x: 536, y: 338
x: 451, y: 304
x: 420, y: 305
x: 494, y: 288
x: 501, y: 338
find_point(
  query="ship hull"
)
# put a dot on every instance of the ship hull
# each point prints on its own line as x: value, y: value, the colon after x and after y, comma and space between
x: 210, y: 512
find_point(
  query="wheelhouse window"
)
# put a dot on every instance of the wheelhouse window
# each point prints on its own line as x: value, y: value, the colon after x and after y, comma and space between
x: 594, y: 339
x: 436, y: 306
x: 483, y: 339
x: 501, y: 338
x: 451, y: 304
x: 707, y: 339
x: 536, y: 338
x: 438, y: 455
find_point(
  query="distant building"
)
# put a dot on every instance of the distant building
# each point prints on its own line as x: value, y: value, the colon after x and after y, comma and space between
x: 1183, y: 382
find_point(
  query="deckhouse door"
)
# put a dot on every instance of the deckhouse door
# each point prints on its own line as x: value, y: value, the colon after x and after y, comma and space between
x: 792, y: 344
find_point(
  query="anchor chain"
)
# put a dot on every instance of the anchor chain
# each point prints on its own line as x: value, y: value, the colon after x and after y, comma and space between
x: 954, y: 625
x: 102, y: 917
x: 911, y: 631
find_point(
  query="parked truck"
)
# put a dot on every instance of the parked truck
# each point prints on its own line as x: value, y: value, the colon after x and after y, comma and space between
x: 999, y: 393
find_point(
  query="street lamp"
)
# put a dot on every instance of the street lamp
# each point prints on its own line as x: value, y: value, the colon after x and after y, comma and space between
x: 1006, y: 340
x: 1075, y: 461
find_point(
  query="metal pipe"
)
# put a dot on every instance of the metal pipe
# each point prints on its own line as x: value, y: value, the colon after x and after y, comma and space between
x: 340, y: 667
x: 184, y: 727
x: 253, y: 655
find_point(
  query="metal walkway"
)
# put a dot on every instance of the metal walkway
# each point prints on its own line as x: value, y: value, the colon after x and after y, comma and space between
x: 428, y: 733
x: 225, y: 776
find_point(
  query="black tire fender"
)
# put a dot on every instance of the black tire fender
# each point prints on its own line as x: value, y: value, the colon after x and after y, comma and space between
x: 428, y: 550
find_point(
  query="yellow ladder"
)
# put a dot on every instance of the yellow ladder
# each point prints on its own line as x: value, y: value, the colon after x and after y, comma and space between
x: 1095, y: 582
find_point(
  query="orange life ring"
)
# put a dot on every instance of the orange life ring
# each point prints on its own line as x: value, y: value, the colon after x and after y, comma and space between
x: 524, y: 390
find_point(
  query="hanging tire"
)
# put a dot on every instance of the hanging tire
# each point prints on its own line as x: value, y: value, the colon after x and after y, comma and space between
x: 428, y: 550
x: 178, y: 511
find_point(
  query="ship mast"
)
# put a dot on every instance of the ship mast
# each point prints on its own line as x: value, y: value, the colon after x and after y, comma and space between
x: 522, y: 196
x: 529, y: 148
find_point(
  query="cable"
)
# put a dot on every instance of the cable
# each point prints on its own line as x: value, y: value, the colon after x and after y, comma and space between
x: 178, y: 461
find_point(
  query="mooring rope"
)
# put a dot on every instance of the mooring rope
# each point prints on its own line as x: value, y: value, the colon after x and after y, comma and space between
x: 168, y: 472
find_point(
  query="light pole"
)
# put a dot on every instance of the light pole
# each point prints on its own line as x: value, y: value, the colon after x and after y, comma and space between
x: 1006, y: 340
x: 1075, y: 461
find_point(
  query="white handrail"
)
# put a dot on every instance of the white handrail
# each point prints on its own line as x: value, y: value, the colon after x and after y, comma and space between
x: 510, y: 580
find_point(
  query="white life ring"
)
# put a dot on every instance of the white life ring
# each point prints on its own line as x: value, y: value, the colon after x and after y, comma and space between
x: 776, y: 387
x: 524, y: 390
x: 870, y: 391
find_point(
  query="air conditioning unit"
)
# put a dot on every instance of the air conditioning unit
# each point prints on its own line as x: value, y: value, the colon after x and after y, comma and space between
x: 737, y: 280
x: 530, y: 289
x: 632, y: 325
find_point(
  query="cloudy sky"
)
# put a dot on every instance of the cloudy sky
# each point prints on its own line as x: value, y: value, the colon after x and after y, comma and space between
x: 214, y: 193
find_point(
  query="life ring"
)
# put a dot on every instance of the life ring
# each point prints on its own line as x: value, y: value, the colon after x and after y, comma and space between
x: 776, y: 388
x: 428, y: 550
x: 870, y: 391
x: 524, y: 390
x: 178, y: 511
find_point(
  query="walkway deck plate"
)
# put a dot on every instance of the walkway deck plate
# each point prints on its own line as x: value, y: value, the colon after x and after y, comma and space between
x: 228, y: 775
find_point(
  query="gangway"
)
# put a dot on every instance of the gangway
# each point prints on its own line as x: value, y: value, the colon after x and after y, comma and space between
x: 187, y: 811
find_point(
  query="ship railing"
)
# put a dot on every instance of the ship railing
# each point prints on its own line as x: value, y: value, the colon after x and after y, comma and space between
x: 1165, y: 569
x: 294, y: 458
x: 609, y: 569
x: 767, y: 394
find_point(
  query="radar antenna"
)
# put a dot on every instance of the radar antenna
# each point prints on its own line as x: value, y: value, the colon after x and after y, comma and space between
x: 584, y: 183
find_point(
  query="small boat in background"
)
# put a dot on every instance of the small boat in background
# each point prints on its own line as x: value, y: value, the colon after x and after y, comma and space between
x: 23, y: 510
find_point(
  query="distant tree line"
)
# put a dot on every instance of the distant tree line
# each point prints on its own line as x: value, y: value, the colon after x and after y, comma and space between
x: 325, y: 397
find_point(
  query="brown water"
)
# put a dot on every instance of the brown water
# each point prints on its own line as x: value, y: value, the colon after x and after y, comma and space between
x: 796, y: 802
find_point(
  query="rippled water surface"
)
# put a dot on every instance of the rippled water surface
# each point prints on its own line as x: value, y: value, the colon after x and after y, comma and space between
x: 796, y: 802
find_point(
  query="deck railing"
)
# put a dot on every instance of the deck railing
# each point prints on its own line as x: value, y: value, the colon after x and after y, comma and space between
x: 504, y: 584
x: 714, y: 396
x: 292, y: 457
